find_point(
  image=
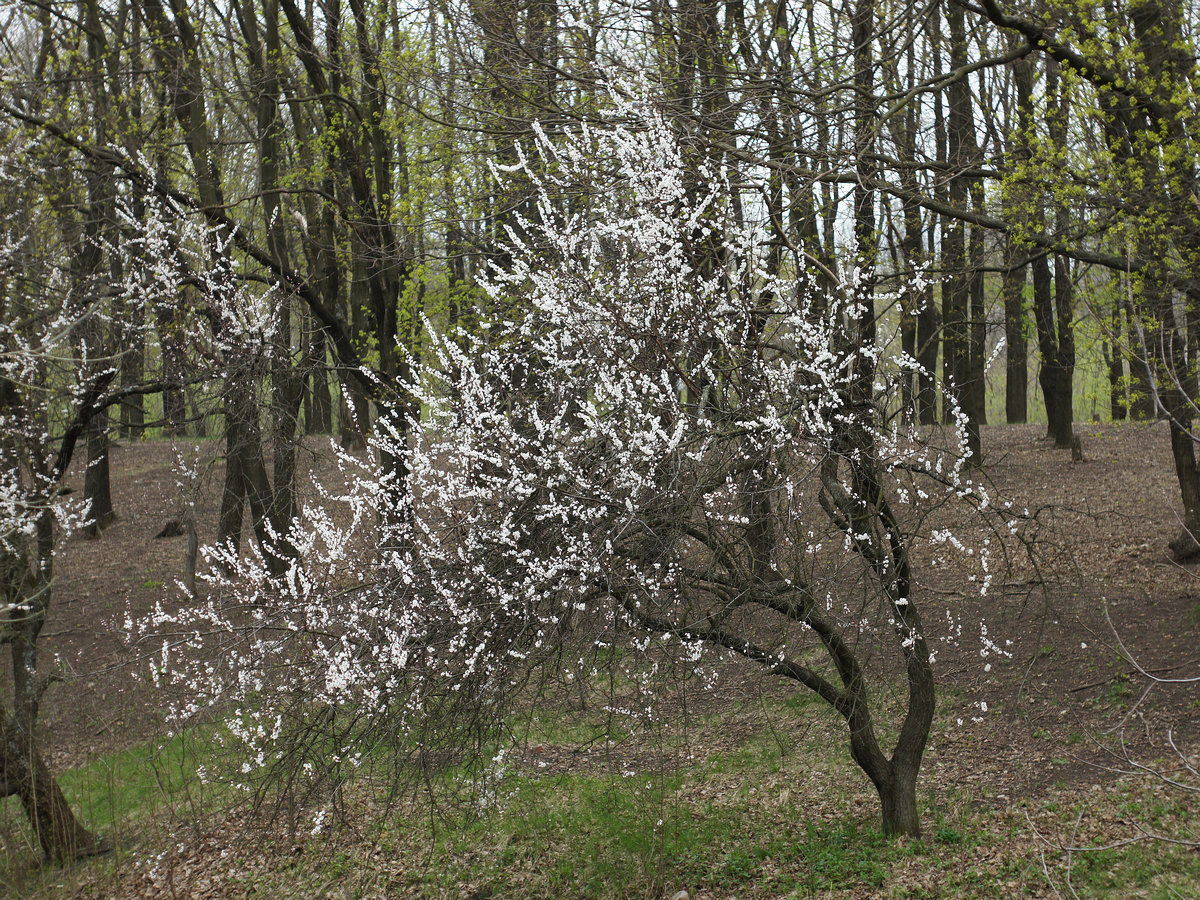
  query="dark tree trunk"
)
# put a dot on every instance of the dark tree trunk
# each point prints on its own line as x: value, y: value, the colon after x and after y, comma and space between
x: 283, y: 442
x: 1016, y: 196
x: 27, y: 576
x: 1054, y: 305
x: 865, y: 236
x: 908, y: 344
x: 928, y: 332
x: 1143, y: 405
x: 23, y: 772
x: 274, y: 501
x: 229, y: 524
x: 246, y: 475
x: 901, y: 816
x: 97, y: 487
x: 1016, y: 367
x: 1054, y: 379
x: 918, y: 301
x: 1116, y: 380
x: 977, y: 357
x: 1186, y: 547
x: 133, y: 371
x: 895, y: 780
x: 354, y: 422
x: 171, y: 351
x: 960, y: 149
x: 198, y: 416
x: 1063, y: 418
x: 935, y: 319
x: 319, y: 410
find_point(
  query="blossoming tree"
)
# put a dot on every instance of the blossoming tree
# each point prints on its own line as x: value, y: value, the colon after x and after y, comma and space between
x: 663, y: 439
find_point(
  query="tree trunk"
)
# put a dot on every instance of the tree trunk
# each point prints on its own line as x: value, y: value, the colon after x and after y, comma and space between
x: 246, y: 475
x: 977, y: 357
x: 865, y: 236
x: 1142, y: 403
x: 1016, y: 367
x: 319, y: 409
x: 229, y: 524
x: 1056, y: 335
x: 27, y: 572
x: 1116, y: 382
x: 97, y: 487
x: 354, y: 423
x: 1114, y: 359
x: 960, y: 150
x: 927, y: 356
x: 895, y: 780
x: 133, y: 370
x: 171, y: 350
x: 901, y: 817
x: 24, y: 773
x: 1015, y: 198
x: 1054, y: 381
x: 1058, y: 363
x: 1186, y: 547
x: 917, y: 301
x: 935, y: 320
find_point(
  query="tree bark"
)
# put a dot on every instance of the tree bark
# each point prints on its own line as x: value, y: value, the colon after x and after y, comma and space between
x: 26, y: 570
x: 1016, y: 366
x: 1115, y: 365
x: 97, y: 486
x: 901, y: 815
x: 318, y: 418
x: 956, y: 288
x: 1054, y: 381
x: 977, y: 357
x: 1186, y: 547
x: 23, y: 772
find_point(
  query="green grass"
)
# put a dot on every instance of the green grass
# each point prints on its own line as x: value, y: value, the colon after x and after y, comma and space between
x: 118, y: 791
x: 120, y: 788
x: 778, y: 813
x: 1103, y: 860
x: 611, y: 836
x: 141, y: 797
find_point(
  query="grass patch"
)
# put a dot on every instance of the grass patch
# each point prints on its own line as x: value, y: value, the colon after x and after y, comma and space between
x: 776, y: 814
x: 136, y: 797
x: 122, y: 788
x: 606, y: 836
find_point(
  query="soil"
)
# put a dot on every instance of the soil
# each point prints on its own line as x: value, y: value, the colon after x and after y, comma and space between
x: 1067, y: 707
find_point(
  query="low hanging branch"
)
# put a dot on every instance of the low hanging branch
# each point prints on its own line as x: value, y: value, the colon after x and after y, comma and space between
x: 94, y: 401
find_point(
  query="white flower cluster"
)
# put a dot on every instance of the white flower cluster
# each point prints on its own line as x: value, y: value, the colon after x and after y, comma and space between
x: 176, y: 250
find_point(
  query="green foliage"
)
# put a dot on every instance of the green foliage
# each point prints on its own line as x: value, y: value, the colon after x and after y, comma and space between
x: 1119, y: 689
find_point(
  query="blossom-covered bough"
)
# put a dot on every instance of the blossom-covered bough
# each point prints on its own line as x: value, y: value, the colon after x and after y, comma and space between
x: 56, y: 386
x: 46, y: 406
x: 663, y: 440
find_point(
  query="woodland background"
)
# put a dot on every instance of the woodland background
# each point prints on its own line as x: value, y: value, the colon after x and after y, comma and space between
x: 229, y: 228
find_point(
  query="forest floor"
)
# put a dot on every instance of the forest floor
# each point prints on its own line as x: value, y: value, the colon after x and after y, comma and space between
x: 747, y: 803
